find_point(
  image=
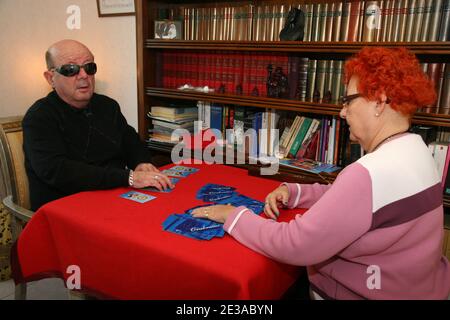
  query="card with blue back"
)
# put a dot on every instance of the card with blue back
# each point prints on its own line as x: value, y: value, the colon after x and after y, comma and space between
x: 153, y: 189
x: 195, y: 228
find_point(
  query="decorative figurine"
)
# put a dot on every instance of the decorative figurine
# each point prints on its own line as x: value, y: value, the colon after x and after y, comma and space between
x: 294, y: 27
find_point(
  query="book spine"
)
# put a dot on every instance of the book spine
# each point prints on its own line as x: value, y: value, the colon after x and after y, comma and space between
x: 445, y: 95
x: 419, y: 10
x: 371, y: 20
x: 302, y: 78
x: 395, y: 32
x: 427, y: 16
x: 410, y: 21
x: 312, y: 65
x: 435, y: 20
x: 345, y: 21
x: 337, y: 81
x: 354, y: 21
x: 308, y: 9
x: 337, y: 21
x: 293, y: 69
x: 316, y: 22
x: 444, y: 32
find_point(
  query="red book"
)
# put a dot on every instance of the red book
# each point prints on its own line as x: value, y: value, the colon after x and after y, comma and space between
x: 354, y: 21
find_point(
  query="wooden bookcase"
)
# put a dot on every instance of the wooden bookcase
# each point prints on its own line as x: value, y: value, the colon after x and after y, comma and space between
x: 149, y: 48
x: 150, y: 94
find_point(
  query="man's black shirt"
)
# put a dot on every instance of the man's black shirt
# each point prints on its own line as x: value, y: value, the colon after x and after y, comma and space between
x: 68, y: 150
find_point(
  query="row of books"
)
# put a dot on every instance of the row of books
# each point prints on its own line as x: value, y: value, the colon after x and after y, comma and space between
x: 323, y: 139
x: 246, y: 73
x: 439, y: 73
x: 383, y: 20
x: 236, y: 72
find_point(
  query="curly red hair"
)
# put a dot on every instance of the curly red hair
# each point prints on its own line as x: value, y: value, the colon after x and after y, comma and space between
x: 394, y: 72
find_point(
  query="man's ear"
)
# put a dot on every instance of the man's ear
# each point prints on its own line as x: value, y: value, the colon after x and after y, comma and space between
x: 48, y: 75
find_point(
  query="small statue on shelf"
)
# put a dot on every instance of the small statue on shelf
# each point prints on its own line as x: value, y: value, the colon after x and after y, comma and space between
x: 277, y: 83
x: 221, y: 88
x: 255, y: 92
x: 239, y: 89
x: 316, y: 96
x: 294, y: 27
x: 327, y: 97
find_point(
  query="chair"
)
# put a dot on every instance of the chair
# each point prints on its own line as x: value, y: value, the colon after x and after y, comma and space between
x: 17, y: 200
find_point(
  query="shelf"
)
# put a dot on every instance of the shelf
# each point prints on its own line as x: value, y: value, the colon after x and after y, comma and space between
x: 252, y: 101
x: 420, y: 48
x: 281, y: 104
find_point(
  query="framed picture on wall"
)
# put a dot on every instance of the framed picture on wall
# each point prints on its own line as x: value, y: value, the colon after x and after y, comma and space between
x: 168, y: 29
x: 111, y: 8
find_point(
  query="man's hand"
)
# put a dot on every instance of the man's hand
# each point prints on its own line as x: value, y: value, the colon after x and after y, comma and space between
x: 146, y: 167
x: 277, y: 198
x: 143, y: 179
x: 218, y: 213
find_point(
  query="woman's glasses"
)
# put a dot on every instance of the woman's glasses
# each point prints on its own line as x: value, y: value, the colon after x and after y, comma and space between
x: 70, y: 70
x: 345, y: 100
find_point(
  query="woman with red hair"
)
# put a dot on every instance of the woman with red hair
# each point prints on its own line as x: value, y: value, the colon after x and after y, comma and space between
x: 377, y: 231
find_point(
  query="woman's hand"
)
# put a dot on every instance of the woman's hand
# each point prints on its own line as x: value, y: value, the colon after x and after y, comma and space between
x: 218, y: 213
x: 277, y: 198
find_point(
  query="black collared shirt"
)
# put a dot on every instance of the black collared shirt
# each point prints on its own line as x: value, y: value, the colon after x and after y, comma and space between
x: 68, y: 150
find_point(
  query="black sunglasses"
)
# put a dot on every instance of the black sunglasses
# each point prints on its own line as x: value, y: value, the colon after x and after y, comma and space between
x: 345, y: 100
x: 70, y: 70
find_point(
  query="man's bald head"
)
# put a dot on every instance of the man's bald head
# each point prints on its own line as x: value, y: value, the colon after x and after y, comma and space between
x: 62, y: 49
x: 75, y: 89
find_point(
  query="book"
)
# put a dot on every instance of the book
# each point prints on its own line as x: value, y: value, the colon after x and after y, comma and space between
x: 300, y: 136
x: 309, y: 165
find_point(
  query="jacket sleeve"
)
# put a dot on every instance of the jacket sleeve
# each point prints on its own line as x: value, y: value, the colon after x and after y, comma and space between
x: 45, y: 153
x: 305, y: 195
x: 341, y: 216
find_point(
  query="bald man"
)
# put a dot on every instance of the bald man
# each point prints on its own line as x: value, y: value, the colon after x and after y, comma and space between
x: 76, y: 140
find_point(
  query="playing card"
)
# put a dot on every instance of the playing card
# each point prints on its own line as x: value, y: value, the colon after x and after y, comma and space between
x: 195, y: 228
x: 175, y: 173
x: 137, y: 196
x: 153, y: 189
x: 185, y: 169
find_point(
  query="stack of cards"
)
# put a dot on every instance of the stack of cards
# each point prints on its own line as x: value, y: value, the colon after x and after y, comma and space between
x: 137, y: 196
x: 241, y: 200
x: 179, y: 171
x: 220, y: 194
x: 188, y: 226
x: 215, y: 192
x: 174, y: 181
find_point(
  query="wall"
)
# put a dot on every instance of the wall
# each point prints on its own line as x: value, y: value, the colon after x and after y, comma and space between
x: 29, y: 27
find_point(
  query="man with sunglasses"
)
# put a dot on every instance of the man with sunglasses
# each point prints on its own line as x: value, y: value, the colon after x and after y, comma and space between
x: 76, y: 140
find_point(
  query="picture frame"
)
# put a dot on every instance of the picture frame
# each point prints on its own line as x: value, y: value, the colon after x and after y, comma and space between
x: 168, y: 29
x: 114, y: 8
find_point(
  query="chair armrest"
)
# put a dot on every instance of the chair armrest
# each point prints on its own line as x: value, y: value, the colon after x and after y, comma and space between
x: 16, y: 210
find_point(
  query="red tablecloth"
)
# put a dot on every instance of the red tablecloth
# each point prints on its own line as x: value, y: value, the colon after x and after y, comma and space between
x: 123, y: 252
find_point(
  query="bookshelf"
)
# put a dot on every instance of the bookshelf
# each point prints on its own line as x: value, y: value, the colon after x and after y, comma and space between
x: 151, y: 51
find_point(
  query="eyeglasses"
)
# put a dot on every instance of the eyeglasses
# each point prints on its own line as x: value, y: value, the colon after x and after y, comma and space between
x: 345, y: 100
x: 70, y: 70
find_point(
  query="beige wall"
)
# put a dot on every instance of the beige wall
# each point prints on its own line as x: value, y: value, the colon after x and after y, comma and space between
x: 28, y: 27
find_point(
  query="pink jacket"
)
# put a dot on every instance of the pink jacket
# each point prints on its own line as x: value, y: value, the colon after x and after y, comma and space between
x: 376, y: 233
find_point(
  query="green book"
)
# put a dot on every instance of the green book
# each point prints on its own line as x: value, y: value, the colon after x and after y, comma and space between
x: 300, y: 136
